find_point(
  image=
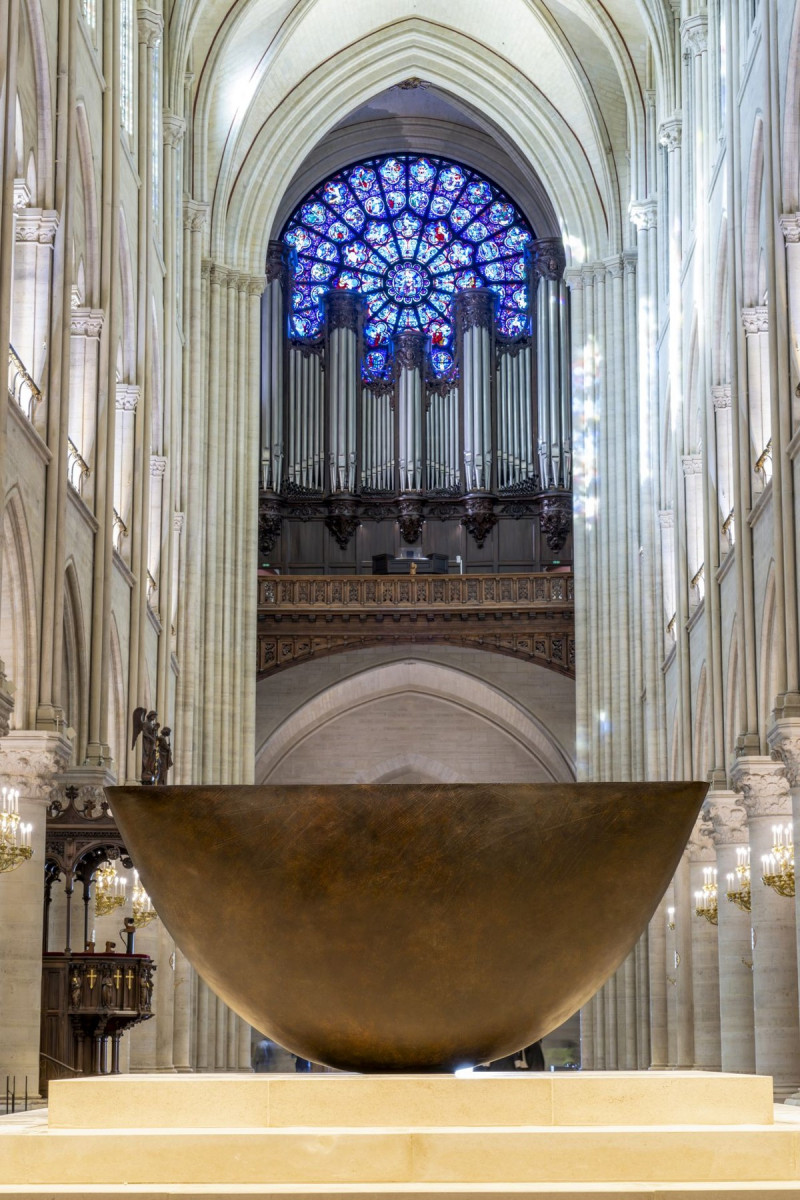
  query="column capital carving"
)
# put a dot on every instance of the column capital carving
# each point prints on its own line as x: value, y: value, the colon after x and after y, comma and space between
x: 728, y: 819
x: 694, y: 34
x: 158, y: 466
x: 474, y: 308
x: 692, y: 464
x: 721, y: 397
x: 549, y: 258
x: 666, y: 518
x: 86, y: 322
x: 127, y: 397
x: 343, y: 309
x: 278, y: 255
x: 574, y: 278
x: 149, y: 26
x: 22, y: 195
x: 763, y: 786
x: 256, y: 284
x: 790, y: 226
x: 205, y: 269
x: 217, y: 273
x: 409, y: 350
x: 177, y: 522
x: 615, y: 266
x: 173, y: 128
x: 195, y: 213
x: 644, y: 214
x: 33, y: 761
x: 37, y: 225
x: 700, y: 847
x: 670, y: 132
x: 756, y: 320
x: 783, y: 740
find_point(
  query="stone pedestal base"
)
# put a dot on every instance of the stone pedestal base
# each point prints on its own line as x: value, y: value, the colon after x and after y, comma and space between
x: 569, y: 1135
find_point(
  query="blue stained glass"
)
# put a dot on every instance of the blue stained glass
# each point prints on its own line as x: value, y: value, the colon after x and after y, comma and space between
x: 407, y: 231
x: 356, y: 254
x: 476, y: 232
x: 422, y: 170
x: 299, y: 239
x: 440, y: 206
x: 512, y: 324
x: 355, y: 217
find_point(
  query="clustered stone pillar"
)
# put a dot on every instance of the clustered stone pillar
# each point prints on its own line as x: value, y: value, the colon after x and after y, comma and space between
x: 554, y: 364
x: 705, y: 963
x: 273, y: 348
x: 344, y: 375
x: 474, y: 320
x: 765, y: 797
x: 409, y: 358
x: 31, y: 762
x: 737, y: 1039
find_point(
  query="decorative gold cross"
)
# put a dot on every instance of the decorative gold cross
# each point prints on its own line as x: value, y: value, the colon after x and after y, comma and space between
x: 91, y: 975
x: 129, y: 977
x: 117, y: 976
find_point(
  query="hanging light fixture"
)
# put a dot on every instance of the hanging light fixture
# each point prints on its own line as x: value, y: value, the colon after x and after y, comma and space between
x: 143, y: 911
x: 740, y: 896
x: 706, y: 898
x: 778, y: 867
x: 15, y: 835
x: 109, y: 889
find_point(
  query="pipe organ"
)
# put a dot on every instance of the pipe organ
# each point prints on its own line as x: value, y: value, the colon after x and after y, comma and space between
x: 346, y: 446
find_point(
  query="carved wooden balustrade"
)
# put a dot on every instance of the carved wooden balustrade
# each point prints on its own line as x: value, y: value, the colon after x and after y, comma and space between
x: 302, y: 617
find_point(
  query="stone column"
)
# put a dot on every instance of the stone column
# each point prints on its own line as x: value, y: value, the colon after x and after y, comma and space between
x: 671, y: 965
x: 164, y: 996
x: 409, y: 356
x: 765, y: 797
x: 555, y: 402
x: 657, y: 972
x: 201, y: 1062
x: 705, y: 959
x: 183, y: 979
x: 684, y: 915
x: 343, y: 318
x: 474, y: 320
x: 273, y: 348
x: 32, y: 763
x: 244, y: 1054
x: 737, y: 1036
x: 784, y: 743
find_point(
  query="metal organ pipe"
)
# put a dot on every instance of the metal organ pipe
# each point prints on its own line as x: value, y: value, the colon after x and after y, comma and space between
x: 474, y: 314
x: 409, y: 351
x: 554, y: 389
x: 272, y: 348
x: 343, y: 314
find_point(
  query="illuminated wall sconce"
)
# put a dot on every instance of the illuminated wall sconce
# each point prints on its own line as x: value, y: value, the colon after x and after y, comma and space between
x: 706, y: 899
x: 778, y: 867
x: 740, y: 896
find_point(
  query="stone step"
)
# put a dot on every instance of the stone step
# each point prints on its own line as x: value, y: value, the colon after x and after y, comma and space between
x: 600, y: 1191
x: 378, y: 1101
x: 543, y: 1155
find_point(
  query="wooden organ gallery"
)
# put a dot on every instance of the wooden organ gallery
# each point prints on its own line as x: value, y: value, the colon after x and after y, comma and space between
x: 415, y: 389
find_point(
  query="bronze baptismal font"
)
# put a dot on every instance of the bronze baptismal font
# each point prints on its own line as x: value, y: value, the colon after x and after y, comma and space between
x: 413, y: 928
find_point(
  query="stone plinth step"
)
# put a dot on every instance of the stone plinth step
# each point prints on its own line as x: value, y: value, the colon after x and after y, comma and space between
x: 406, y: 1138
x: 385, y: 1101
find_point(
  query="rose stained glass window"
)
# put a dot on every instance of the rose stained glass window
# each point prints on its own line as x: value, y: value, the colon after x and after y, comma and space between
x: 408, y: 231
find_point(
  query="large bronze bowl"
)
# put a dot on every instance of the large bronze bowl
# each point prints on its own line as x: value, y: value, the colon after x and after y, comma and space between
x: 406, y: 928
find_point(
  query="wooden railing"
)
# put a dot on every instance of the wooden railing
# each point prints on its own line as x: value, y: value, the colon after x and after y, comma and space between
x: 529, y: 616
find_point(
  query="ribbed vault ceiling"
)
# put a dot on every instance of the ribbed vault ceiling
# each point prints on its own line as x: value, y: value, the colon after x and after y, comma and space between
x: 577, y: 69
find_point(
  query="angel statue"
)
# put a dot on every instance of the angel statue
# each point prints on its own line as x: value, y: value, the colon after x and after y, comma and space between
x: 146, y: 724
x: 164, y: 754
